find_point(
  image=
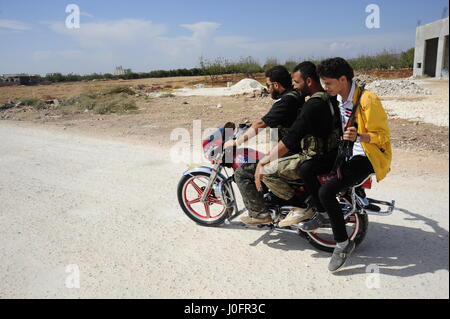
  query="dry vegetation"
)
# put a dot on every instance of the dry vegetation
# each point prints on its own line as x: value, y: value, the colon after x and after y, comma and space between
x: 122, y: 109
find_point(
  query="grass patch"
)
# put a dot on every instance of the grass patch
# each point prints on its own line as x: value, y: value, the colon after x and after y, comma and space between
x: 35, y: 103
x: 101, y: 103
x: 118, y: 104
x: 166, y: 95
x: 118, y: 90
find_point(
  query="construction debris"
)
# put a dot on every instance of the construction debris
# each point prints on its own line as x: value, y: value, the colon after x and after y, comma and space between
x: 364, y: 79
x: 7, y: 105
x: 397, y: 88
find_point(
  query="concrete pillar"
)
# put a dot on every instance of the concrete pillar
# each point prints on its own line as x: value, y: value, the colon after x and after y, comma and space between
x: 440, y: 57
x: 419, y: 53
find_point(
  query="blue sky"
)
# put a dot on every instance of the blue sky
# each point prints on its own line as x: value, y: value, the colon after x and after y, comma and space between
x: 148, y: 35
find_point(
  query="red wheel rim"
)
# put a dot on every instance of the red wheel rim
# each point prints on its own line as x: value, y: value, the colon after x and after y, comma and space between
x: 201, y: 210
x: 351, y: 219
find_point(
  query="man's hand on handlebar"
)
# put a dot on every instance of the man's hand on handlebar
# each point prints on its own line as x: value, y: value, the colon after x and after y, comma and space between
x: 229, y: 144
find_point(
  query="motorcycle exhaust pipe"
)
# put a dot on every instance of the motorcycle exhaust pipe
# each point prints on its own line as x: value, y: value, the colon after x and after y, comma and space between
x: 373, y: 209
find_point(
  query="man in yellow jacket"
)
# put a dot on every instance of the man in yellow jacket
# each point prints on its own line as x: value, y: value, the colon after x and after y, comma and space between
x: 372, y: 152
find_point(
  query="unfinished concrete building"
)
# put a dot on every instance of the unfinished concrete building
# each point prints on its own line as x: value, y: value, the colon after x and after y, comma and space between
x: 431, y: 53
x: 18, y: 79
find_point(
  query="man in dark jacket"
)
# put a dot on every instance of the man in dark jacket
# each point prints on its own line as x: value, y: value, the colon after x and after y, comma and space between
x: 314, y: 137
x: 282, y: 114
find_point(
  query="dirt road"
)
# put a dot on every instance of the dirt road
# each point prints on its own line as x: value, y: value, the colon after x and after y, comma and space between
x: 108, y: 210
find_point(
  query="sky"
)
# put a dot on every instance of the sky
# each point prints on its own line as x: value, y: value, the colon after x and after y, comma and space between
x: 170, y: 34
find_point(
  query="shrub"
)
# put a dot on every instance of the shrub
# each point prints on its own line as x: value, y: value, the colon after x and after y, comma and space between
x: 407, y: 59
x: 118, y: 104
x: 383, y: 60
x: 166, y: 95
x: 100, y: 103
x: 270, y: 63
x: 249, y: 66
x: 118, y: 89
x: 35, y: 103
x: 290, y: 65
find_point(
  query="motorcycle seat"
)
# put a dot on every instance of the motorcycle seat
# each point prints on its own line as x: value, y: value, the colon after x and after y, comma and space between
x: 364, y: 183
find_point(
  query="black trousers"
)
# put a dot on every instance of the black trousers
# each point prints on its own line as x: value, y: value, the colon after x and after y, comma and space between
x: 309, y: 170
x: 353, y: 171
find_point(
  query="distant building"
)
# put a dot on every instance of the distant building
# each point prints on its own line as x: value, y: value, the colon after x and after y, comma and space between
x: 19, y: 79
x: 431, y: 52
x: 121, y: 71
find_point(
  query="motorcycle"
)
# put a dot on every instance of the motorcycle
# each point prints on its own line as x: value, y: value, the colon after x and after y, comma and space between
x: 207, y: 197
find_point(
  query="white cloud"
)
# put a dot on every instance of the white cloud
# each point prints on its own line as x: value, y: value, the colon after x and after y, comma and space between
x: 202, y: 30
x: 14, y: 25
x: 111, y: 32
x: 140, y: 44
x: 144, y: 45
x: 336, y: 46
x: 86, y: 14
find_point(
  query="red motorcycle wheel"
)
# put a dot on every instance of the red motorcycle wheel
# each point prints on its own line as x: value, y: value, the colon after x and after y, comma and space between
x: 357, y: 226
x: 190, y: 190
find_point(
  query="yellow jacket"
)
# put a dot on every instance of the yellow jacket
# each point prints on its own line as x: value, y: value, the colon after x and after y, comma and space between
x: 372, y: 119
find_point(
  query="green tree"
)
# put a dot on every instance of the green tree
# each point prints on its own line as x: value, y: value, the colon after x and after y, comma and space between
x: 249, y: 66
x: 290, y: 65
x: 270, y: 63
x: 407, y: 58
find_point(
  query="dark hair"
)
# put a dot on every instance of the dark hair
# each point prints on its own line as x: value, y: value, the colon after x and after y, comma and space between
x: 281, y: 75
x: 335, y: 68
x: 308, y: 70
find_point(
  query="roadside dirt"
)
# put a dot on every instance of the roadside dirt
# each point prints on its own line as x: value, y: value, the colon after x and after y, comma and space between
x: 158, y: 117
x: 99, y: 192
x: 109, y: 209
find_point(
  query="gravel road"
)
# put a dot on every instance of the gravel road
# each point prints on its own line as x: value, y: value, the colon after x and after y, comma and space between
x: 107, y: 210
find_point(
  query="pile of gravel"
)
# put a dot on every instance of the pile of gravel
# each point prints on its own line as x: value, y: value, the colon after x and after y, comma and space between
x: 361, y: 78
x: 246, y: 86
x: 397, y: 88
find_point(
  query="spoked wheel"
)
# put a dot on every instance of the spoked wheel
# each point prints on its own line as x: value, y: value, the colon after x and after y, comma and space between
x: 356, y: 224
x: 190, y: 190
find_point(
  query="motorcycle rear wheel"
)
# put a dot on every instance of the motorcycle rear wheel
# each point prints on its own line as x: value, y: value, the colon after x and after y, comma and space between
x: 357, y: 227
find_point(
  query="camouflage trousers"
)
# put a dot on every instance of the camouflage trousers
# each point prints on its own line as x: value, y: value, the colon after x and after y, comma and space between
x: 282, y: 175
x: 253, y: 200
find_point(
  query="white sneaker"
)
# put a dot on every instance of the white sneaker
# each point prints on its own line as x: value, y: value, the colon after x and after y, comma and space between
x: 296, y: 215
x: 261, y: 219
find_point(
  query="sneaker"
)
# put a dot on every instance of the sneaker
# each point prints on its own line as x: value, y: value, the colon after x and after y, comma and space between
x: 295, y: 216
x: 340, y: 256
x: 261, y: 219
x: 316, y: 222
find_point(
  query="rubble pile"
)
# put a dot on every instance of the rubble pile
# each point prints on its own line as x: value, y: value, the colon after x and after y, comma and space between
x: 397, y: 88
x: 364, y: 79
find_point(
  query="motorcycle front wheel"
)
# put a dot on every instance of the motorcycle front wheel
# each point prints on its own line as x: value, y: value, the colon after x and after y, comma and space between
x: 190, y: 189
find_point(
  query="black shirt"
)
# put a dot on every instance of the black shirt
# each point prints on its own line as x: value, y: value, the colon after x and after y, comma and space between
x: 314, y: 119
x: 284, y: 111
